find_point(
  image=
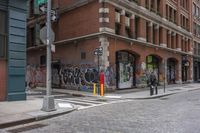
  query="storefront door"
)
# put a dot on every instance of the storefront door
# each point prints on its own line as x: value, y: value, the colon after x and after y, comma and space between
x: 185, y: 66
x: 125, y: 70
x: 171, y: 71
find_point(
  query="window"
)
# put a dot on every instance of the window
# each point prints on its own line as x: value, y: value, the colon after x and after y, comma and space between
x: 194, y: 28
x: 158, y: 6
x: 154, y: 34
x: 198, y: 49
x: 147, y: 4
x: 194, y: 9
x: 175, y: 13
x: 117, y: 22
x: 117, y: 16
x: 136, y: 26
x: 127, y: 25
x: 167, y: 13
x: 3, y: 34
x: 184, y: 4
x: 147, y: 31
x: 152, y: 5
x: 43, y: 60
x: 117, y: 28
x: 136, y: 1
x: 127, y: 21
x: 195, y: 48
x: 83, y: 55
x: 184, y: 22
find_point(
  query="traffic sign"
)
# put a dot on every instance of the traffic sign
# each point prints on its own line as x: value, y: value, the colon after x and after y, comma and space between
x: 43, y: 35
x: 39, y: 2
x: 54, y: 12
x: 43, y: 8
x: 98, y: 51
x: 53, y: 48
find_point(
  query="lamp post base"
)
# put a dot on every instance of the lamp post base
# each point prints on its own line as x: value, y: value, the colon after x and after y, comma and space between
x: 48, y: 104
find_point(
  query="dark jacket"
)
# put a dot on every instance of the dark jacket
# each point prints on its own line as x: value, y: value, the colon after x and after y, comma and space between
x: 152, y: 79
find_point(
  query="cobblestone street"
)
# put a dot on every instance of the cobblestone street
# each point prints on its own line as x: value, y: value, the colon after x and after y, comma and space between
x: 177, y: 113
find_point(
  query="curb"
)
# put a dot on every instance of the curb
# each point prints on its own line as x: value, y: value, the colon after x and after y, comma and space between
x: 33, y: 119
x: 15, y: 123
x: 155, y: 97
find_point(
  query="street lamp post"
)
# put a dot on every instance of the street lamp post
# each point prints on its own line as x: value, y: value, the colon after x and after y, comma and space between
x: 48, y: 101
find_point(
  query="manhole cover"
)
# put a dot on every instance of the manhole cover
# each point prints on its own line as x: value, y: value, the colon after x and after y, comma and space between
x: 26, y: 128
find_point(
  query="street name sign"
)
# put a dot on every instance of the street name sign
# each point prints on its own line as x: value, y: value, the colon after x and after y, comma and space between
x: 40, y: 2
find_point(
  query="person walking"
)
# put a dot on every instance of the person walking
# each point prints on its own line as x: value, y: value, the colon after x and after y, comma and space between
x: 153, y: 83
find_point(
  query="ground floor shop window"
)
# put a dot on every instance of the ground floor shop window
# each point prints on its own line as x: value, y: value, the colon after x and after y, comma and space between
x: 125, y: 70
x: 153, y: 65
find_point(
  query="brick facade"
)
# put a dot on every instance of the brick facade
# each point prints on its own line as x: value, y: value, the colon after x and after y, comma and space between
x: 136, y: 38
x: 196, y: 39
x: 3, y: 79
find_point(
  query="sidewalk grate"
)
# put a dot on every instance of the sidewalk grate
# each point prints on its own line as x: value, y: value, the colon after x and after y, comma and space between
x: 26, y: 128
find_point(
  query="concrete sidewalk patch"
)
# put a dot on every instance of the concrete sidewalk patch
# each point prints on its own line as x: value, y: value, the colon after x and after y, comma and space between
x: 12, y: 116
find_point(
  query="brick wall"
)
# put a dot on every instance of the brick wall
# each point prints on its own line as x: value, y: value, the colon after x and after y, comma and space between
x: 3, y: 79
x: 78, y: 22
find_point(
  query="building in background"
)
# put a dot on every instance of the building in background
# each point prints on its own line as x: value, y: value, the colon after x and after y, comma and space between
x: 12, y: 49
x: 196, y: 39
x: 137, y: 37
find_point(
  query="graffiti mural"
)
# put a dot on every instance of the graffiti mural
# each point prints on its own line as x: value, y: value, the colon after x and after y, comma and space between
x: 110, y: 76
x: 35, y: 76
x: 80, y: 77
x: 55, y: 77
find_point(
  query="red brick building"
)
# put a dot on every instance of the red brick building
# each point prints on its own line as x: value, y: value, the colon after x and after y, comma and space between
x: 196, y: 39
x: 137, y: 37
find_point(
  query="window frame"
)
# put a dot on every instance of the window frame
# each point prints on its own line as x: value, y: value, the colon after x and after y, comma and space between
x: 4, y: 35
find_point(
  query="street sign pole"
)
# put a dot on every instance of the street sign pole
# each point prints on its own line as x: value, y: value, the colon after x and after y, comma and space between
x: 48, y: 101
x: 98, y: 75
x: 164, y: 74
x: 98, y: 52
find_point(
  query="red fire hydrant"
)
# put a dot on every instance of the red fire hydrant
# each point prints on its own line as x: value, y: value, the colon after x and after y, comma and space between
x: 102, y: 83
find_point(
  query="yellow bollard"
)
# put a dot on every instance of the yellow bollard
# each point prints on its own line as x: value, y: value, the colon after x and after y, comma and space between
x: 102, y: 90
x: 94, y: 89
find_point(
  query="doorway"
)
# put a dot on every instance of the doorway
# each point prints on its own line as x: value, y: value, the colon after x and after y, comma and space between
x: 153, y: 62
x: 171, y: 71
x: 125, y: 68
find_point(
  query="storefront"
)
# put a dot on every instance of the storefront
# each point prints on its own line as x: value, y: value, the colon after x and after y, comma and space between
x: 153, y: 63
x: 185, y: 68
x: 171, y: 71
x: 125, y: 70
x: 196, y: 69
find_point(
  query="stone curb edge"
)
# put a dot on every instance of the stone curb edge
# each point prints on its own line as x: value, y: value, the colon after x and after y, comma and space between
x: 33, y: 119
